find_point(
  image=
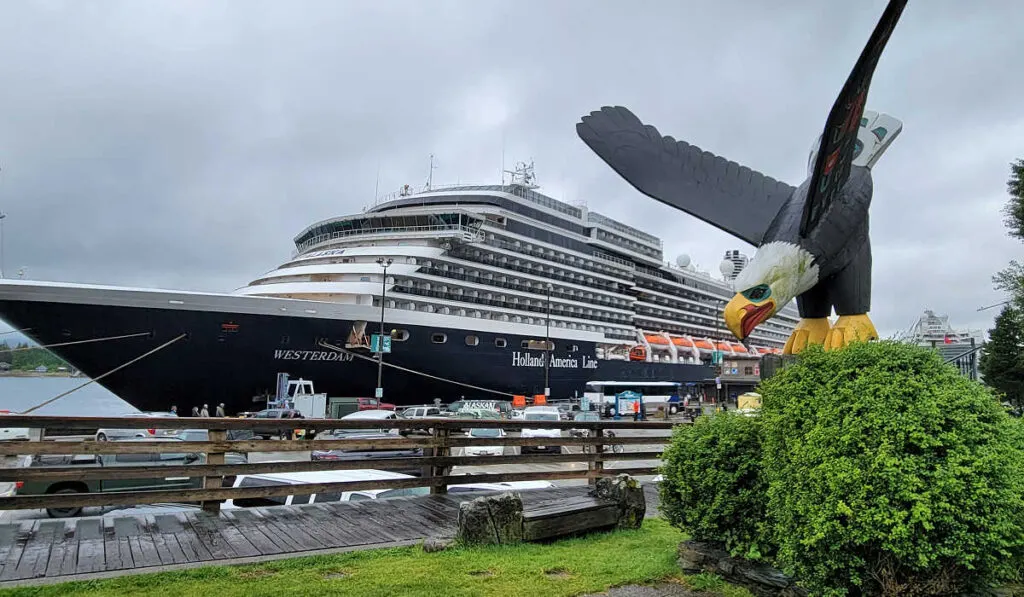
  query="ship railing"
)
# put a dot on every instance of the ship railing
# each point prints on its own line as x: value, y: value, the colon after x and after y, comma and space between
x: 454, y: 229
x: 642, y: 443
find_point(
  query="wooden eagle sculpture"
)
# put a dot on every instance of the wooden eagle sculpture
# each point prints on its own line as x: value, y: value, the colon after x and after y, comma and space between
x: 812, y: 239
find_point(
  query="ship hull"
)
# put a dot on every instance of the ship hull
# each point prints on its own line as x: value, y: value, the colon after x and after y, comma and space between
x: 232, y: 348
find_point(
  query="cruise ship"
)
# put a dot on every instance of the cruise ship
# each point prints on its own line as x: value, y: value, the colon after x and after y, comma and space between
x: 485, y: 291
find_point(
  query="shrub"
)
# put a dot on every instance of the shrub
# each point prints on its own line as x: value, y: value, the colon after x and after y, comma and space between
x: 712, y: 487
x: 891, y: 472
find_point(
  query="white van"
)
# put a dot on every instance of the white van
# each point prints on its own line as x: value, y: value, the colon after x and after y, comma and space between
x: 541, y: 413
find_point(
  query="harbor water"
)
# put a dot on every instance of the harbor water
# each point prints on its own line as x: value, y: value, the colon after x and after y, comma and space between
x: 18, y: 394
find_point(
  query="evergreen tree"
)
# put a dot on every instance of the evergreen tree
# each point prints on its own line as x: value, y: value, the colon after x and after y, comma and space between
x: 1002, y: 359
x: 1014, y: 210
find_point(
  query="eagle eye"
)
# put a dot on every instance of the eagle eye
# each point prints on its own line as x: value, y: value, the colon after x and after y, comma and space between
x: 757, y: 293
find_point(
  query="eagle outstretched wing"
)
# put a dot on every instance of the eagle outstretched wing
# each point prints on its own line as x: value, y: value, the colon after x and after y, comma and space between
x: 724, y: 194
x: 838, y: 143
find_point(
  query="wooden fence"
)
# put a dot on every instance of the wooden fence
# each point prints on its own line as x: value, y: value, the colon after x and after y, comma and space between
x: 435, y: 464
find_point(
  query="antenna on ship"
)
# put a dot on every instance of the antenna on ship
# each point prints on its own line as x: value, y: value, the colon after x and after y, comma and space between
x: 430, y: 175
x: 523, y: 175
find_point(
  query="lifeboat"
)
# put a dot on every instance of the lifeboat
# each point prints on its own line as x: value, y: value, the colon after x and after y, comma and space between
x: 736, y: 347
x: 638, y: 353
x: 703, y: 345
x: 655, y: 339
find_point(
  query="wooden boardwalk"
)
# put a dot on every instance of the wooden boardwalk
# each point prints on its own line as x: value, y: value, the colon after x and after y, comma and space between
x: 53, y: 550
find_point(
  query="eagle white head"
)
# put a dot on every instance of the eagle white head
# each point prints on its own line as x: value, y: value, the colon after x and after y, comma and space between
x: 778, y: 272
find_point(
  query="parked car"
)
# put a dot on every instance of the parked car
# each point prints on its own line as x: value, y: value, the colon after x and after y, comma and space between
x: 103, y: 435
x: 540, y: 414
x: 116, y: 460
x: 364, y: 415
x: 422, y: 412
x: 278, y: 413
x: 485, y: 432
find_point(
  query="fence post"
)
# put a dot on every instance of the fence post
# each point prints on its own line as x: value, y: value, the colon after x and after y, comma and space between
x: 213, y: 506
x: 596, y: 467
x: 441, y: 449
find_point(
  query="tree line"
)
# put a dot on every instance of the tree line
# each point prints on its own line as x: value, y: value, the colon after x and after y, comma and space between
x: 1002, y: 359
x: 23, y: 357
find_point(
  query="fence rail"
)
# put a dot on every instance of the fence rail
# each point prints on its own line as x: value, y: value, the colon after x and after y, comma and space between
x: 436, y: 463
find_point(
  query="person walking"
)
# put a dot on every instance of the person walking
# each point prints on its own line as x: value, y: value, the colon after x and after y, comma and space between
x: 205, y: 413
x: 220, y: 410
x: 195, y: 411
x: 174, y: 410
x: 636, y: 410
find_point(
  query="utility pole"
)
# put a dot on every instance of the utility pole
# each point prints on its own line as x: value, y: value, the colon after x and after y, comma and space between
x: 380, y: 341
x: 547, y: 346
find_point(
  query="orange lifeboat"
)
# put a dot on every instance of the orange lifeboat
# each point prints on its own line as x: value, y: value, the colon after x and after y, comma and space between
x: 654, y: 339
x: 738, y: 347
x: 703, y: 345
x: 638, y: 353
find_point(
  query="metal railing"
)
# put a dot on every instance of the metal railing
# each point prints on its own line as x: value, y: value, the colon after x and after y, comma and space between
x: 457, y: 229
x: 435, y: 464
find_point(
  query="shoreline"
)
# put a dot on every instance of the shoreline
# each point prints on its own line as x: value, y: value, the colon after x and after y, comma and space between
x: 34, y: 374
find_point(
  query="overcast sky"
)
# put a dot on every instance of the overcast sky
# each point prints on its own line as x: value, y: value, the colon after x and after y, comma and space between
x: 184, y: 144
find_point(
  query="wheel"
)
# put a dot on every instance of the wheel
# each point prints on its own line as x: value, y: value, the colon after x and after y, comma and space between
x: 101, y: 437
x: 618, y: 448
x: 65, y: 512
x: 672, y: 409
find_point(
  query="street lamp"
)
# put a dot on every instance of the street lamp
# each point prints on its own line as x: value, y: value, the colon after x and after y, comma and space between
x: 380, y: 341
x: 547, y: 345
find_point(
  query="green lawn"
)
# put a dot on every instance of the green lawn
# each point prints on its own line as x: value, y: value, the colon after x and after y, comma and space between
x: 572, y: 567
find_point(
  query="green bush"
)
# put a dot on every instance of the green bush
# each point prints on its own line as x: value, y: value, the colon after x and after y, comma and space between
x: 712, y: 487
x: 890, y: 472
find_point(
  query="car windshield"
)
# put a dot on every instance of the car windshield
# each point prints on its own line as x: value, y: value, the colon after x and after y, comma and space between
x: 485, y: 433
x: 392, y: 493
x: 541, y: 417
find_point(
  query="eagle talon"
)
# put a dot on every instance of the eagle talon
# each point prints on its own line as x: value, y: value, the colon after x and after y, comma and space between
x: 849, y: 329
x: 812, y: 330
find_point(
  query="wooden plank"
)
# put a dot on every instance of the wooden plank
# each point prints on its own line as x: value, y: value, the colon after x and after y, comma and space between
x: 570, y: 523
x: 567, y: 505
x: 249, y: 524
x: 264, y: 521
x: 166, y: 543
x: 77, y: 473
x: 326, y: 515
x: 22, y: 534
x: 63, y: 551
x: 86, y: 424
x: 91, y: 557
x: 8, y: 542
x: 297, y: 535
x: 36, y: 554
x: 371, y: 527
x: 191, y: 544
x: 161, y: 447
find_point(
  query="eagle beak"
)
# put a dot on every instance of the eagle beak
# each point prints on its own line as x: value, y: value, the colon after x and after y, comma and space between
x: 742, y: 316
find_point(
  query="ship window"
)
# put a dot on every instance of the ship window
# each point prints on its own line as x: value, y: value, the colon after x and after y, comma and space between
x: 438, y: 338
x: 525, y: 344
x: 472, y: 340
x: 500, y: 342
x: 399, y: 335
x: 364, y: 278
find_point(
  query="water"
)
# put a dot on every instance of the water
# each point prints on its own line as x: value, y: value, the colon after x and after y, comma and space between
x: 20, y: 393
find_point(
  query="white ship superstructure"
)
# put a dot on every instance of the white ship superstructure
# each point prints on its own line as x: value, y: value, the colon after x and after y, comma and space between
x: 507, y: 253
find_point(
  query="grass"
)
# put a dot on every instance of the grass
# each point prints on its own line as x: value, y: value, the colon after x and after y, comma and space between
x: 571, y: 567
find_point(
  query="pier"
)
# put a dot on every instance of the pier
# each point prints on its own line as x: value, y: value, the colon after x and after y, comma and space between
x: 195, y: 531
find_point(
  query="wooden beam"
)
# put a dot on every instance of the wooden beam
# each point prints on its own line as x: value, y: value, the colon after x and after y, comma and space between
x: 173, y: 446
x: 72, y: 473
x: 126, y: 498
x: 81, y: 424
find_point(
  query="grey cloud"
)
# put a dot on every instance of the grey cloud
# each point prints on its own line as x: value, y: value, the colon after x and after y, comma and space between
x: 183, y: 145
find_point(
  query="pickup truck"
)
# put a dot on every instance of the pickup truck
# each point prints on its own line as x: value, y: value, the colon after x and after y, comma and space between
x: 108, y: 460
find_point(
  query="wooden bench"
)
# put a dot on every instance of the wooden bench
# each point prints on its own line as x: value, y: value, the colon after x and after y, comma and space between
x: 568, y: 516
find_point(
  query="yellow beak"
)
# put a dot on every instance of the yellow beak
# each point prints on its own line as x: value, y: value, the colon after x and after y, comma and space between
x: 742, y: 316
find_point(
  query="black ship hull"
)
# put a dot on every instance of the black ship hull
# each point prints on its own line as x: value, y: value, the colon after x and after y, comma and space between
x: 233, y: 355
